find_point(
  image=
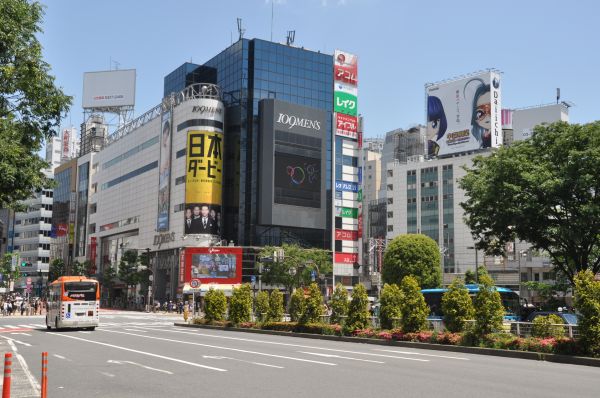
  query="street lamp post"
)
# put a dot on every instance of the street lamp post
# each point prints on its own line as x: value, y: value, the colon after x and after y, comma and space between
x: 522, y: 252
x: 476, y: 261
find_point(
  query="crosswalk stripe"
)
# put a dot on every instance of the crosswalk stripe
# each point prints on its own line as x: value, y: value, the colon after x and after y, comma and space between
x: 25, y: 326
x: 11, y: 327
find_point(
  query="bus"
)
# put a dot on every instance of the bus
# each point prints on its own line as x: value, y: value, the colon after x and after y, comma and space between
x: 73, y: 302
x: 510, y: 300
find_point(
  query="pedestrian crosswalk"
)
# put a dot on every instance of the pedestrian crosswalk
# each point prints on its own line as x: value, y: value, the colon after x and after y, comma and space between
x: 33, y: 326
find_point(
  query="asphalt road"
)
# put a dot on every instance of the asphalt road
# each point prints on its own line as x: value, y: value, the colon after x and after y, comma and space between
x: 144, y: 355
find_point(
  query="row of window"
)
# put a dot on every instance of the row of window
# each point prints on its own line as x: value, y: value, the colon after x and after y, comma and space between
x: 130, y: 175
x: 131, y: 152
x: 121, y: 223
x: 33, y: 246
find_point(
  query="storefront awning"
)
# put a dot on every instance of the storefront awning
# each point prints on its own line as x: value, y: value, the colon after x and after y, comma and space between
x: 226, y: 288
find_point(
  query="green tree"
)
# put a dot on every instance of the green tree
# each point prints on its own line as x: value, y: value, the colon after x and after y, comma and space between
x: 240, y: 305
x: 457, y: 306
x: 57, y: 269
x: 314, y: 305
x: 543, y: 191
x: 128, y: 269
x: 548, y: 326
x: 470, y: 277
x: 414, y: 308
x: 391, y: 306
x: 107, y: 280
x: 215, y: 305
x: 358, y: 311
x: 7, y: 270
x: 31, y: 106
x: 339, y: 304
x: 587, y: 303
x: 78, y: 268
x: 297, y: 305
x: 489, y: 311
x: 551, y: 294
x: 412, y: 254
x: 275, y: 313
x: 261, y: 306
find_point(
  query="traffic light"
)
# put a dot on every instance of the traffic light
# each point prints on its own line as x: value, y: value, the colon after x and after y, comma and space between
x: 23, y: 263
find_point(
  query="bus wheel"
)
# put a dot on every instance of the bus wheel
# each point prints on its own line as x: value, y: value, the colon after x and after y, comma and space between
x: 56, y: 323
x: 92, y: 328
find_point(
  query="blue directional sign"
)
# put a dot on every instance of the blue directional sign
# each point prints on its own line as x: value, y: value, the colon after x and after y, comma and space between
x: 253, y: 278
x: 313, y: 274
x: 346, y: 186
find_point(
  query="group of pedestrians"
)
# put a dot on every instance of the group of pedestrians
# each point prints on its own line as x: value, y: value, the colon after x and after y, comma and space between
x: 16, y: 305
x: 170, y: 306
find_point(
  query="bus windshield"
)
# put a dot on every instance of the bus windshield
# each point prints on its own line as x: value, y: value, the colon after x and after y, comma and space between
x: 84, y: 291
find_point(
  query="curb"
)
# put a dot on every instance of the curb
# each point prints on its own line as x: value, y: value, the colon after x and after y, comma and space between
x: 536, y: 356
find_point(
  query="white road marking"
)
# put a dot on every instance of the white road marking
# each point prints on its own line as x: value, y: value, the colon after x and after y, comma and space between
x: 61, y: 357
x: 16, y: 341
x: 85, y: 331
x: 140, y: 352
x: 22, y: 334
x: 11, y: 327
x: 25, y: 326
x: 295, y: 345
x: 338, y: 356
x: 136, y: 330
x: 107, y: 374
x: 241, y: 360
x: 140, y: 365
x: 425, y: 355
x: 225, y: 348
x: 34, y: 384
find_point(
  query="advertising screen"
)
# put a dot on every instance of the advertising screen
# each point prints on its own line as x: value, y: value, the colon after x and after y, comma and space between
x: 213, y: 264
x: 164, y: 175
x: 109, y: 88
x: 297, y: 180
x: 464, y: 115
x: 203, y: 183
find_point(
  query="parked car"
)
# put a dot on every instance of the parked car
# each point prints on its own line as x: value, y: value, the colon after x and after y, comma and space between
x: 567, y: 317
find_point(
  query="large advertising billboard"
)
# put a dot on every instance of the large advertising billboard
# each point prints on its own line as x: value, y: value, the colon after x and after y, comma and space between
x: 203, y: 182
x: 297, y: 180
x: 109, y: 88
x: 464, y: 115
x: 164, y: 174
x: 220, y: 265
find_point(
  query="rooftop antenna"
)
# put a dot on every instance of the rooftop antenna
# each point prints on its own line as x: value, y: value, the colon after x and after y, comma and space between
x: 116, y: 63
x: 272, y: 7
x: 241, y: 31
x: 557, y: 94
x: 291, y: 35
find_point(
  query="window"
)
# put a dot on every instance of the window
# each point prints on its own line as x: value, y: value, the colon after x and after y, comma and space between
x: 390, y: 214
x: 390, y: 173
x: 390, y: 187
x: 546, y: 276
x: 390, y: 228
x: 390, y: 201
x: 179, y: 208
x: 179, y: 180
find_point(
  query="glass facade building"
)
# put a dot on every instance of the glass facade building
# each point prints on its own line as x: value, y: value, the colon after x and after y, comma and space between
x: 247, y: 72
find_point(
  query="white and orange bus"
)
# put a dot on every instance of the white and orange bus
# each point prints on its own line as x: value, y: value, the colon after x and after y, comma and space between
x: 73, y: 302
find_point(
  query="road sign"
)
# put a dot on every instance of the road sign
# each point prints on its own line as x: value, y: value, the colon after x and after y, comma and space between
x: 195, y: 283
x: 28, y: 280
x: 313, y: 275
x: 253, y: 278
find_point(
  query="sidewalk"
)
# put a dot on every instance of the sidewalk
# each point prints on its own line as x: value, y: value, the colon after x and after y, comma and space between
x: 23, y: 384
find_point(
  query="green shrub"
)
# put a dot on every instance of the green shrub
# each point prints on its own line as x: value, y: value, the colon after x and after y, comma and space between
x: 391, y: 305
x: 240, y: 305
x: 279, y: 326
x: 416, y: 255
x: 457, y: 306
x: 489, y: 311
x: 358, y: 313
x: 339, y: 304
x: 215, y: 305
x: 587, y: 302
x: 275, y: 312
x: 314, y: 305
x: 297, y: 305
x: 261, y: 306
x: 414, y: 309
x: 547, y: 326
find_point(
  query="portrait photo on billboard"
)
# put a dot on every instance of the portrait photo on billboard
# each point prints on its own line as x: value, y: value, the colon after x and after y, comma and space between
x: 164, y: 176
x: 202, y: 218
x: 297, y: 180
x: 461, y: 114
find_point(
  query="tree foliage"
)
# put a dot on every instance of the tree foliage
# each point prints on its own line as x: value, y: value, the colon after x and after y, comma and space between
x: 412, y: 254
x: 470, y: 277
x: 543, y: 191
x: 215, y: 305
x: 548, y: 326
x: 7, y: 270
x: 339, y: 304
x: 261, y: 306
x: 489, y: 311
x: 414, y: 309
x: 314, y: 305
x: 31, y: 106
x: 128, y: 268
x: 297, y: 305
x: 587, y: 303
x: 275, y: 313
x: 358, y: 312
x: 391, y: 306
x: 457, y: 306
x: 57, y: 269
x: 240, y: 305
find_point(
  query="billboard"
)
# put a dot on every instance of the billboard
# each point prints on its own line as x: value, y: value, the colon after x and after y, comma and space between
x: 297, y: 180
x: 464, y: 115
x: 346, y: 125
x: 213, y: 264
x: 345, y: 68
x: 164, y: 174
x: 203, y: 182
x: 109, y: 88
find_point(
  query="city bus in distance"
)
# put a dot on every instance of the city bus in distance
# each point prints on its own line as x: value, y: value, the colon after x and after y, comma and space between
x: 73, y: 302
x: 510, y: 301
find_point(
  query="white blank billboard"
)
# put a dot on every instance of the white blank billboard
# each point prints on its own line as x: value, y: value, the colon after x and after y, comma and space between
x: 109, y: 88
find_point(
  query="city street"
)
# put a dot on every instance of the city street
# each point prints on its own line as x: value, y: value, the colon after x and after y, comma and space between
x: 135, y: 354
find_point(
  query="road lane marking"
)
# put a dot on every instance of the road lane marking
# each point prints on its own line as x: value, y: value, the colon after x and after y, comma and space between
x: 107, y: 374
x: 11, y: 326
x: 140, y: 365
x: 241, y: 360
x: 25, y: 326
x: 339, y: 356
x: 34, y: 384
x: 140, y: 352
x: 61, y: 357
x: 16, y: 341
x: 22, y: 334
x: 225, y: 348
x: 136, y: 330
x: 425, y: 355
x: 295, y: 345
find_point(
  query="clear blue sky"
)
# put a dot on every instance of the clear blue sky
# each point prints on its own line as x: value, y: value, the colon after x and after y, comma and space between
x: 538, y: 45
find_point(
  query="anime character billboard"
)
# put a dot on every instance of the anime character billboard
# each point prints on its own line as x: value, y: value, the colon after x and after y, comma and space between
x: 464, y: 115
